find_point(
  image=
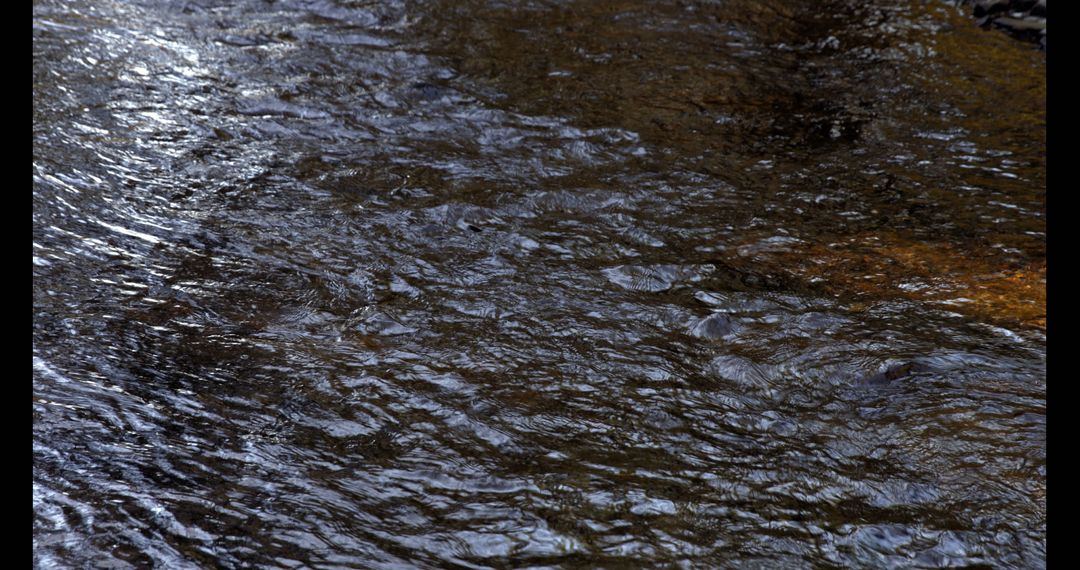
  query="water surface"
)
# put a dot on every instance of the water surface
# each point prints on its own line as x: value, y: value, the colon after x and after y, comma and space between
x: 471, y: 284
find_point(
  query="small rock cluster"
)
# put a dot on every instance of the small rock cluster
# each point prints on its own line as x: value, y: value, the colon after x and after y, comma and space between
x: 1024, y: 19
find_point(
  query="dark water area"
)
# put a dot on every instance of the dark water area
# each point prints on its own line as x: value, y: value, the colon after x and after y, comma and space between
x: 482, y: 284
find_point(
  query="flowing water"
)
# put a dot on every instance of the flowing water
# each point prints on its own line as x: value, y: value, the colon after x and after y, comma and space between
x: 578, y: 284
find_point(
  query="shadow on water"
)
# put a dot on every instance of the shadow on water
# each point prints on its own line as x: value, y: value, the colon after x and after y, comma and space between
x: 505, y: 284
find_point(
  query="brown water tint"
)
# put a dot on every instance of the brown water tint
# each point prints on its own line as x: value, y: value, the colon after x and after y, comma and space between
x: 485, y: 284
